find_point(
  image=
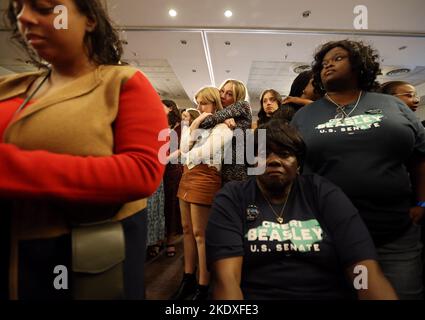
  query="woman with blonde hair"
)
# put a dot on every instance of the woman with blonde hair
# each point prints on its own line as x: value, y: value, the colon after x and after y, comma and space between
x: 189, y: 115
x: 236, y: 113
x: 202, y: 152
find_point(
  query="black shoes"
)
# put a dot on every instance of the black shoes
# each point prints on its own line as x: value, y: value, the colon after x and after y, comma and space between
x: 187, y: 287
x: 201, y: 293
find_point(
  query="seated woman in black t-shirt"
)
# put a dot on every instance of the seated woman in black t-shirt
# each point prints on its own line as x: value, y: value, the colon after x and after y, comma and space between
x: 282, y: 235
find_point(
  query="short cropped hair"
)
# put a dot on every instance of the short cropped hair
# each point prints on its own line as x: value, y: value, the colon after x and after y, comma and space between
x: 281, y: 137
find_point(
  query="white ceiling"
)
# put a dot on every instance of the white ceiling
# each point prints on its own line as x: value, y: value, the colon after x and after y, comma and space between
x: 258, y: 34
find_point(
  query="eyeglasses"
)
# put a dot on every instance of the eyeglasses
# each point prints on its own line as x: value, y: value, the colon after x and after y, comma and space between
x: 407, y: 94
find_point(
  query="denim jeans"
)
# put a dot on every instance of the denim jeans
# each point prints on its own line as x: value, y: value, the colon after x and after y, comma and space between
x: 401, y: 262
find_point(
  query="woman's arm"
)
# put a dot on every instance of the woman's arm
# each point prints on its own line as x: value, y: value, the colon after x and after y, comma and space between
x: 212, y: 150
x: 236, y: 110
x: 369, y: 281
x: 173, y: 157
x: 133, y: 172
x: 227, y: 275
x: 297, y: 100
x: 191, y: 133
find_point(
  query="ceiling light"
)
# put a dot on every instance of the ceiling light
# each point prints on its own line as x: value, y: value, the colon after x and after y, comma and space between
x: 193, y: 70
x: 302, y: 68
x: 227, y: 43
x: 172, y: 13
x: 289, y: 44
x: 397, y: 72
x: 184, y: 42
x: 228, y: 13
x: 306, y: 13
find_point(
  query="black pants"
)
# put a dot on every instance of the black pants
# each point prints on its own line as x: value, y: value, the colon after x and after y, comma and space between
x: 38, y: 259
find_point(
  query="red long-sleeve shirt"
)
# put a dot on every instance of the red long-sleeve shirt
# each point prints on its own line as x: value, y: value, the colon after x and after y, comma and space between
x: 133, y: 172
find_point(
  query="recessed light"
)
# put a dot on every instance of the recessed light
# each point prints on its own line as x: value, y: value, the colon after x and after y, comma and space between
x: 228, y: 13
x: 402, y: 48
x: 306, y: 13
x: 172, y: 13
x: 183, y: 42
x: 398, y: 72
x: 227, y: 43
x: 302, y: 68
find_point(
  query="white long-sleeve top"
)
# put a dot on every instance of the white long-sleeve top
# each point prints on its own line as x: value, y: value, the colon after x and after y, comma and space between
x: 209, y: 145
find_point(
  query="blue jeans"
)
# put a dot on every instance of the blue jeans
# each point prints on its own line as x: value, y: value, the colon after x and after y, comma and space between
x: 401, y: 263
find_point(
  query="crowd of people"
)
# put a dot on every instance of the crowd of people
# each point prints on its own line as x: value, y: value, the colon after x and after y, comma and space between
x: 342, y: 185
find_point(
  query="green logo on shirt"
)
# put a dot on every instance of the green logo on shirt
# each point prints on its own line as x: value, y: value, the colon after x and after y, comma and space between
x: 351, y: 124
x: 303, y: 236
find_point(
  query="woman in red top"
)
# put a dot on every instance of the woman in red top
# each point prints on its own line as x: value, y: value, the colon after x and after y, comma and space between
x: 78, y: 145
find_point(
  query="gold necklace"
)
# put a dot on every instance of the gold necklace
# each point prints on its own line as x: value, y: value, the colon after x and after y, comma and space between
x: 279, y: 217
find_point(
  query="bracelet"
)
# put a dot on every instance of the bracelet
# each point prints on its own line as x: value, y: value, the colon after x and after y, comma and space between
x: 420, y: 204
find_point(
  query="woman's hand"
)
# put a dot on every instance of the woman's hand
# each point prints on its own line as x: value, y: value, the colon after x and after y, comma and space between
x: 417, y: 214
x: 185, y: 116
x: 296, y: 100
x: 230, y: 123
x: 195, y: 124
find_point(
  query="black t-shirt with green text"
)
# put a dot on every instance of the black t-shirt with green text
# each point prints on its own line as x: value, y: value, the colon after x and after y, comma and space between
x: 306, y: 256
x: 366, y: 155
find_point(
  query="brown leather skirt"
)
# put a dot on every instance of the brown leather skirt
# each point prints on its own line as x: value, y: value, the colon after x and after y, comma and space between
x: 199, y: 184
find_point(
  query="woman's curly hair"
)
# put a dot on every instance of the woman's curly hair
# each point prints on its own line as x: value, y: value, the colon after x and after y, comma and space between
x: 103, y: 43
x: 363, y: 58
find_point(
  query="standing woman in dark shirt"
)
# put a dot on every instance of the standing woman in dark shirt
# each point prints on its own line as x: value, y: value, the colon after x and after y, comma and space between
x: 402, y: 90
x: 271, y: 102
x: 302, y: 93
x: 361, y: 140
x: 172, y: 176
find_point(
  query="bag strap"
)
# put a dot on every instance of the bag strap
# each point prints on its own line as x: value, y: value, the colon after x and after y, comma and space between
x: 28, y: 98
